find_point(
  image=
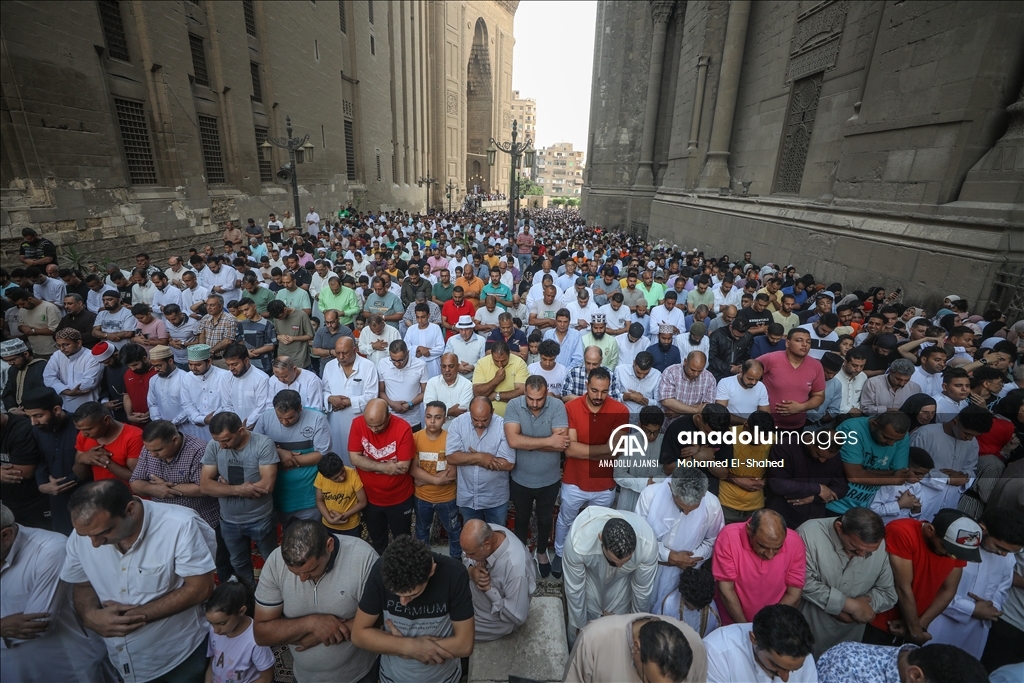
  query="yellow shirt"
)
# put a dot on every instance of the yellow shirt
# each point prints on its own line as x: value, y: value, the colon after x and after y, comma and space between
x: 515, y: 373
x: 787, y: 323
x: 430, y: 457
x: 732, y: 496
x: 340, y: 496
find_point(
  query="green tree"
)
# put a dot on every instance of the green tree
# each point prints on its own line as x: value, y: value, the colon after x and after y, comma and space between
x: 572, y: 201
x: 528, y: 187
x: 558, y: 201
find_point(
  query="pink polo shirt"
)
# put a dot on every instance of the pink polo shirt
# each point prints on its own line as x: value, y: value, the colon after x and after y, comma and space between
x: 758, y: 582
x: 786, y: 383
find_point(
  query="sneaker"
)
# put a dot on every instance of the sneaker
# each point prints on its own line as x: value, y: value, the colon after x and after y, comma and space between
x: 556, y: 567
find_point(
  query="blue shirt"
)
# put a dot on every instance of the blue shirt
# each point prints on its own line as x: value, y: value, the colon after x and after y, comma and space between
x: 761, y: 346
x: 849, y: 661
x: 800, y: 298
x: 294, y: 490
x: 860, y: 449
x: 664, y: 359
x: 517, y: 341
x: 833, y: 399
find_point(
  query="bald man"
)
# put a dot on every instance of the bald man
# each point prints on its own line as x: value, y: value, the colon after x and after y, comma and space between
x: 349, y: 383
x: 382, y: 448
x: 450, y: 388
x: 757, y: 563
x: 502, y: 576
x: 477, y: 445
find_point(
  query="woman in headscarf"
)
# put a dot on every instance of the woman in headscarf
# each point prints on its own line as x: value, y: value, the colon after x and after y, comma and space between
x: 789, y: 276
x: 876, y: 299
x: 920, y: 408
x: 996, y: 448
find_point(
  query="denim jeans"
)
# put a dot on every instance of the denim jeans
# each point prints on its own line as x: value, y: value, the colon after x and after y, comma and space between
x: 495, y: 515
x: 448, y: 513
x: 239, y: 537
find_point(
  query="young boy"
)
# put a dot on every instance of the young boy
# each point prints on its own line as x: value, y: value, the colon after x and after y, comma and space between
x: 693, y: 601
x: 907, y: 500
x: 548, y: 367
x: 534, y: 340
x: 339, y: 496
x: 435, y: 480
x: 956, y: 388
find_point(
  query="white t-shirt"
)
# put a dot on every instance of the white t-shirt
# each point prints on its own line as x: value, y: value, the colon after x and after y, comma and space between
x: 555, y: 376
x: 485, y: 317
x: 742, y: 401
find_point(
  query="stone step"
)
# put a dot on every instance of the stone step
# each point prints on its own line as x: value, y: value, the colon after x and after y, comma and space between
x: 536, y: 651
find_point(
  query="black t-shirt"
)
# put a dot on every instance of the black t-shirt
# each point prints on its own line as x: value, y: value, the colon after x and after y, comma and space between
x: 41, y: 249
x: 17, y: 447
x: 302, y: 277
x: 446, y: 599
x: 670, y: 447
x: 753, y: 318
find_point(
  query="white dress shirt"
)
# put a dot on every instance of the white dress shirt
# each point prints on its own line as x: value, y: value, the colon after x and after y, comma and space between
x: 852, y: 388
x: 309, y: 386
x: 403, y: 384
x: 81, y: 370
x: 94, y: 301
x: 165, y: 401
x: 144, y: 293
x: 930, y: 384
x: 628, y: 349
x: 733, y: 298
x: 191, y: 297
x: 173, y: 544
x: 164, y: 297
x: 248, y: 395
x: 66, y: 651
x: 460, y: 393
x: 731, y: 658
x: 660, y: 315
x: 648, y: 386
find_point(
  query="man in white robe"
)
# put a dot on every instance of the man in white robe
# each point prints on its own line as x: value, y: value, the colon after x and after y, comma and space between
x: 204, y: 391
x: 73, y: 372
x: 165, y: 395
x: 686, y: 519
x: 426, y: 340
x: 610, y: 560
x: 349, y: 383
x: 248, y: 386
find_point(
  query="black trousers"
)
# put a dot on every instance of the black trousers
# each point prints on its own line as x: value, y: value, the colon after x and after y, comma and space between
x: 876, y: 636
x: 380, y: 519
x: 1003, y: 646
x: 523, y: 499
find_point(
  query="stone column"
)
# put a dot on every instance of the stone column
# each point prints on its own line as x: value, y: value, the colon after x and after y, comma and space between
x: 716, y: 169
x: 661, y: 12
x: 698, y: 102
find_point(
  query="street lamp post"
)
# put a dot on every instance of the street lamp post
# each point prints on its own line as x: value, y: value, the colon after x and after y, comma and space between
x: 292, y: 145
x: 451, y: 188
x: 517, y: 151
x: 428, y: 181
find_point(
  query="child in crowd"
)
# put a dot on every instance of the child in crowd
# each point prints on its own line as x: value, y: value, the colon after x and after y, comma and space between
x: 234, y: 655
x: 339, y: 496
x: 907, y: 500
x: 693, y: 602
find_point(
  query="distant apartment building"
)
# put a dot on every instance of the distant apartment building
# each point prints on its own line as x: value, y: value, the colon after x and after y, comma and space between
x: 559, y: 170
x: 524, y: 110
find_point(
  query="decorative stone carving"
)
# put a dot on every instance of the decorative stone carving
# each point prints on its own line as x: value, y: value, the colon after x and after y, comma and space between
x: 506, y: 120
x: 816, y: 39
x: 347, y: 109
x: 509, y: 6
x: 661, y: 10
x: 803, y: 108
x: 452, y: 102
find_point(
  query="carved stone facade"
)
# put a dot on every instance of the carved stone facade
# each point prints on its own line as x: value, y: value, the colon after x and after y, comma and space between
x: 132, y: 126
x: 874, y: 142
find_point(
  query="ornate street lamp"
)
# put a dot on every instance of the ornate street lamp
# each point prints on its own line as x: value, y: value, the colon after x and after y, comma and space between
x: 451, y: 189
x: 522, y: 155
x: 428, y: 181
x: 292, y: 144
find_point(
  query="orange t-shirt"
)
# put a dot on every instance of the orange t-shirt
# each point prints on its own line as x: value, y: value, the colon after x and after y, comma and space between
x: 430, y: 457
x: 471, y: 288
x: 127, y: 445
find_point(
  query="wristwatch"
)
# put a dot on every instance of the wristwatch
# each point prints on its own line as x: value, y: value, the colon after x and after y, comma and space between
x: 497, y: 396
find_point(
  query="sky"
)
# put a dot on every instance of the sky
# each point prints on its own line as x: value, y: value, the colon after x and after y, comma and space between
x: 553, y: 64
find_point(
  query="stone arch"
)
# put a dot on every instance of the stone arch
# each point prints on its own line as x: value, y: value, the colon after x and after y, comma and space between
x: 479, y: 109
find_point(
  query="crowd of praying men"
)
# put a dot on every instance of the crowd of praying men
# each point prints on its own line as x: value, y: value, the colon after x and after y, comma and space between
x: 830, y: 485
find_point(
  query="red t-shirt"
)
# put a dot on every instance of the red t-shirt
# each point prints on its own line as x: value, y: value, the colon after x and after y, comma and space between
x: 903, y: 538
x: 451, y: 313
x: 395, y: 443
x: 128, y: 444
x: 137, y: 388
x: 786, y: 383
x: 593, y: 429
x: 991, y: 442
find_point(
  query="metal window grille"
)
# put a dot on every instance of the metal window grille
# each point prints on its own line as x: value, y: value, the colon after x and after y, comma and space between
x: 373, y: 46
x: 263, y: 156
x: 378, y: 165
x: 394, y: 172
x: 113, y: 29
x: 131, y: 118
x: 341, y: 16
x: 198, y: 60
x: 370, y: 3
x: 209, y: 138
x: 350, y: 150
x: 257, y: 91
x: 250, y: 17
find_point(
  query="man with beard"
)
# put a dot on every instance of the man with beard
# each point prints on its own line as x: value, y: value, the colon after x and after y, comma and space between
x: 597, y: 336
x: 115, y: 324
x: 79, y: 318
x: 19, y: 458
x: 165, y: 396
x: 26, y: 373
x: 258, y: 335
x: 112, y: 385
x: 182, y: 331
x: 57, y: 473
x: 348, y: 385
x: 203, y: 390
x: 73, y: 372
x: 136, y: 382
x: 665, y: 352
x: 248, y: 392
